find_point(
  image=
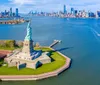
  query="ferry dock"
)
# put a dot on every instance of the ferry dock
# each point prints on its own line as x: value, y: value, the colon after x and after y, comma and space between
x: 54, y: 43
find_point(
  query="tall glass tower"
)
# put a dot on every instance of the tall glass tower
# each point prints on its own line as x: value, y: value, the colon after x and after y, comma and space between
x: 72, y: 10
x: 10, y: 12
x: 65, y: 9
x: 5, y: 12
x: 17, y: 12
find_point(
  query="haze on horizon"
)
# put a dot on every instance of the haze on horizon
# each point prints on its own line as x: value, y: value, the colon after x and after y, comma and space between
x: 49, y: 5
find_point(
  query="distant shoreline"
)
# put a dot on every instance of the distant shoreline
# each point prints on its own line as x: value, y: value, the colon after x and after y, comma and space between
x: 71, y: 17
x: 13, y: 21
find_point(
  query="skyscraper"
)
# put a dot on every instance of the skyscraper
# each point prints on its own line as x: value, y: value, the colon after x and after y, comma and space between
x: 91, y: 14
x: 98, y: 13
x: 65, y: 9
x: 10, y: 12
x: 17, y: 12
x: 75, y: 12
x: 5, y: 12
x: 72, y: 10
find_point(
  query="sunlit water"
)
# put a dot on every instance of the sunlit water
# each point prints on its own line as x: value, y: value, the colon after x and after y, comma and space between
x: 80, y: 41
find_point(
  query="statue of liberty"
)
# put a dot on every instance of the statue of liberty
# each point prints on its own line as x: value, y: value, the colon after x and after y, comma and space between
x: 29, y: 33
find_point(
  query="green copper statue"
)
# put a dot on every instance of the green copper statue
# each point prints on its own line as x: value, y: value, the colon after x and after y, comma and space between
x: 29, y: 33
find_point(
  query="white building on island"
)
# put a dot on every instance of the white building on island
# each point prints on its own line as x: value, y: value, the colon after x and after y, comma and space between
x: 27, y: 57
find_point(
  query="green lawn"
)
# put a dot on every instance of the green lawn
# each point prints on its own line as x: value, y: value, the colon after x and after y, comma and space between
x: 58, y: 62
x: 8, y: 48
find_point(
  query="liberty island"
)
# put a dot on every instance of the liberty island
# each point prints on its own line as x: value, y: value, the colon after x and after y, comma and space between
x: 41, y: 62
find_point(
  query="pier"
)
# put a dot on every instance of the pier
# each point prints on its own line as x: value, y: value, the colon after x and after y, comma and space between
x: 54, y: 43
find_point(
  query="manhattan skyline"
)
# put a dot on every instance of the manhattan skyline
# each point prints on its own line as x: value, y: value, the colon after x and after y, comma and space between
x: 49, y: 5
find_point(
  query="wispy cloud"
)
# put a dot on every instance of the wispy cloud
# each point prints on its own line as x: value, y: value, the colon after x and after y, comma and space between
x: 21, y: 2
x: 50, y: 5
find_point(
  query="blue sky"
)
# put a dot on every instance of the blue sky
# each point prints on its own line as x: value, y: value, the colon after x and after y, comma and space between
x: 49, y: 5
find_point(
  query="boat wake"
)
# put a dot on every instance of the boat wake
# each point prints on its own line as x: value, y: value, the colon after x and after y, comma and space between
x: 96, y: 34
x: 93, y: 30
